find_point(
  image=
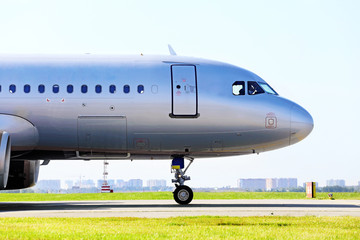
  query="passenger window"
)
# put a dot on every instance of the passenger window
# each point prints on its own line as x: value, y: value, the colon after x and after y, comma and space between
x: 41, y: 88
x: 126, y: 89
x: 27, y: 88
x: 112, y: 89
x: 84, y: 88
x: 12, y: 88
x: 154, y: 89
x: 238, y: 88
x: 254, y: 88
x: 0, y: 88
x: 70, y: 88
x: 140, y: 89
x: 98, y: 88
x: 56, y: 88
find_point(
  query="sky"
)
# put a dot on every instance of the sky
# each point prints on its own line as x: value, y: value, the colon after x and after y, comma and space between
x: 308, y: 51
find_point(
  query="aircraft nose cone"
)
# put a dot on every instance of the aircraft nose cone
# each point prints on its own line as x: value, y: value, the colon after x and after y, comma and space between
x: 301, y: 124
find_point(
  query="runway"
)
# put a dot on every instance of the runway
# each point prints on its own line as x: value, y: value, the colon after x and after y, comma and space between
x: 168, y: 208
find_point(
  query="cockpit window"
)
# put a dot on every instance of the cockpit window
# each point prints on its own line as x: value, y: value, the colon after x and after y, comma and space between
x: 238, y: 88
x: 267, y: 88
x: 254, y: 88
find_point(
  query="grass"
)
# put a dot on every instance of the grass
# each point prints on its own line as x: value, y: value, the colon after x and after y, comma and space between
x: 204, y: 227
x: 12, y: 197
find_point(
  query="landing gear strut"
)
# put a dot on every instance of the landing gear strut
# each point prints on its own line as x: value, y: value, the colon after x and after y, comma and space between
x: 183, y: 194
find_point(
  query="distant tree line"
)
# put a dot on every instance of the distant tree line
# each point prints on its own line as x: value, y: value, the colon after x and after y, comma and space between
x: 340, y: 189
x: 318, y: 189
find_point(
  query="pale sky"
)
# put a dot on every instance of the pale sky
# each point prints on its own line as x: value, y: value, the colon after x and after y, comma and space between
x: 308, y: 51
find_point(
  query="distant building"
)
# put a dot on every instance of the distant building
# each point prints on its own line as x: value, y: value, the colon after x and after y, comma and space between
x: 271, y: 184
x: 120, y: 183
x: 49, y: 185
x: 99, y: 183
x: 286, y: 183
x: 111, y: 182
x: 335, y: 182
x: 359, y: 183
x: 132, y: 184
x: 69, y: 184
x: 293, y: 183
x: 156, y: 183
x: 135, y: 183
x: 89, y: 183
x: 252, y: 184
x: 267, y: 184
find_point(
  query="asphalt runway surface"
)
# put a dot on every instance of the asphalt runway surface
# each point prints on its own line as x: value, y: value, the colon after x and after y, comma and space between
x: 168, y: 208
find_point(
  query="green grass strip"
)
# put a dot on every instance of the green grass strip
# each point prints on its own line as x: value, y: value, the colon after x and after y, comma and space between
x: 12, y: 197
x: 205, y: 227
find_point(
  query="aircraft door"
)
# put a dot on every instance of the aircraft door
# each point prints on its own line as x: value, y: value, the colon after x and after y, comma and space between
x: 184, y: 91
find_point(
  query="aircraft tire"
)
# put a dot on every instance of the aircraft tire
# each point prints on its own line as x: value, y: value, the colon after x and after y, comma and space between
x: 183, y: 195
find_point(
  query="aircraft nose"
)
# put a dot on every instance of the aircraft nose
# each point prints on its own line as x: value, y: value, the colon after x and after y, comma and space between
x: 301, y: 124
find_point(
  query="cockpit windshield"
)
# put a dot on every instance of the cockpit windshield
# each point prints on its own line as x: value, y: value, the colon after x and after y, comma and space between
x: 254, y: 88
x: 267, y: 88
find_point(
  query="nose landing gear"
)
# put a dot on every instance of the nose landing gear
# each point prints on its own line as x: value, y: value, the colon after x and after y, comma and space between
x: 183, y: 194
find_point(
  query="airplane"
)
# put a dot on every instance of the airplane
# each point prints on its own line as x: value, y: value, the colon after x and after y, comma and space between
x: 98, y: 107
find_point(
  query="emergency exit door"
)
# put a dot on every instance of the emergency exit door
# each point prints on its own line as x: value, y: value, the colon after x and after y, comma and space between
x: 184, y: 91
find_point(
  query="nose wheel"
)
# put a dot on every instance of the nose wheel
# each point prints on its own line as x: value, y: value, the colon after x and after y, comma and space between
x: 183, y: 194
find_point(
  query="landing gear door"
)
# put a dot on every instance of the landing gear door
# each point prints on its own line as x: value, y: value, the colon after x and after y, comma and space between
x: 184, y: 91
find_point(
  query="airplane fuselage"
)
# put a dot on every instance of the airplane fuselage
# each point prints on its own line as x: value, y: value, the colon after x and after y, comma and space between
x: 140, y: 107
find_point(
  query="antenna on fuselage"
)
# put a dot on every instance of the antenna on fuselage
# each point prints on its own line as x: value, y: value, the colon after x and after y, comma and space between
x: 171, y: 50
